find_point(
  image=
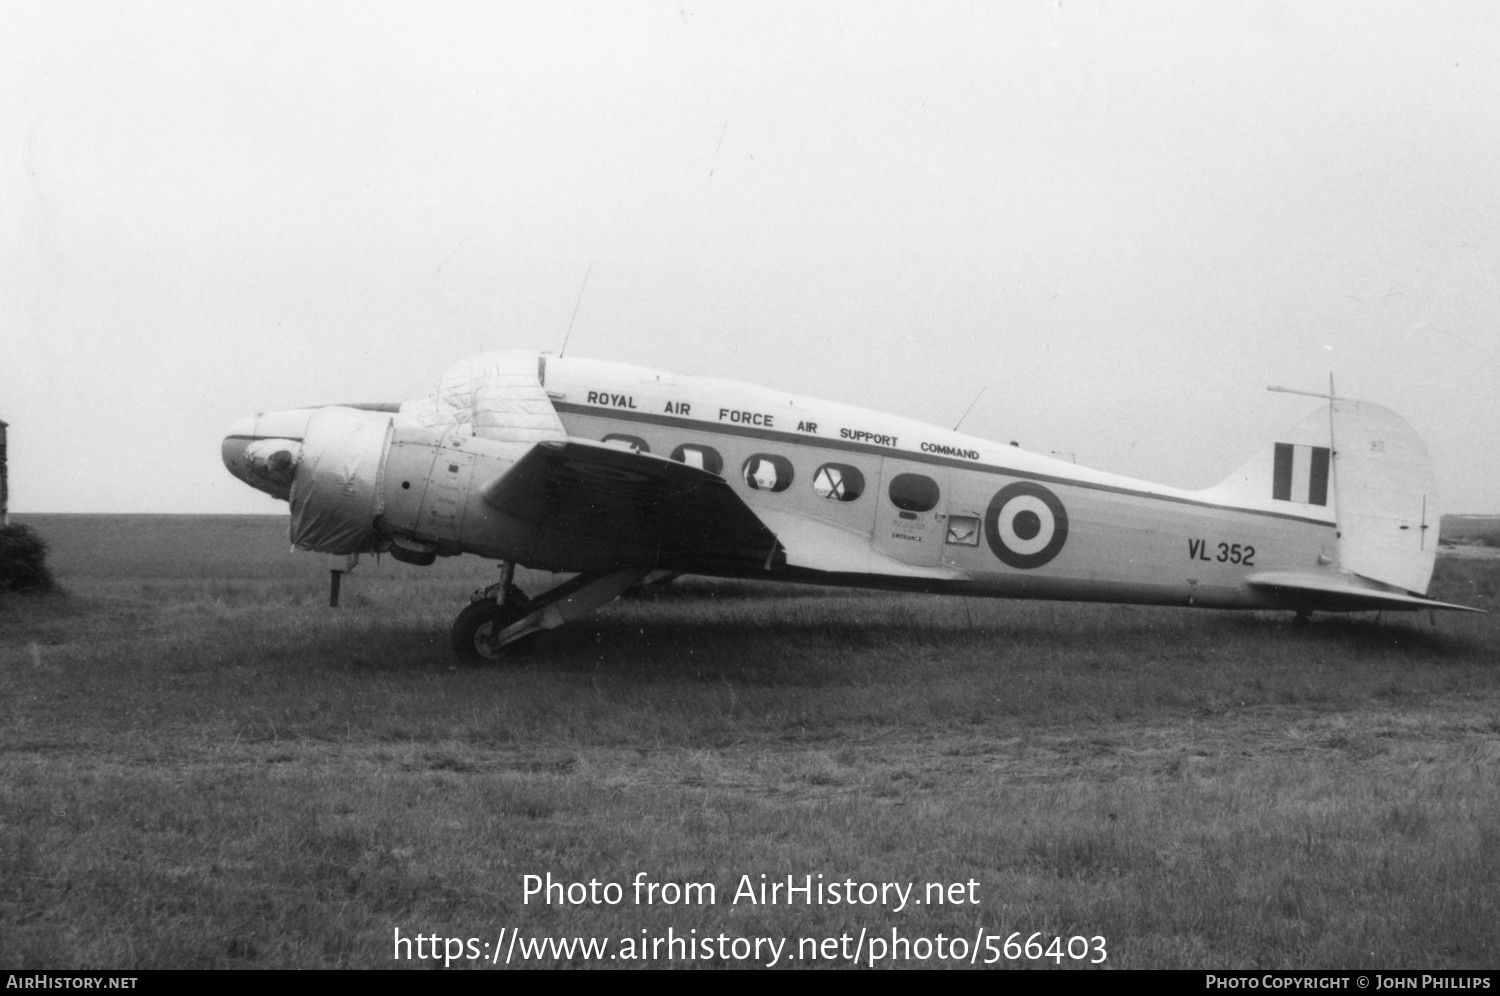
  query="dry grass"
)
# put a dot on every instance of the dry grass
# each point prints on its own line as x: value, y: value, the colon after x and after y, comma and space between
x: 201, y: 765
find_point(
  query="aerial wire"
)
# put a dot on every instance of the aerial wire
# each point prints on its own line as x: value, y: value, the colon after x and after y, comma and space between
x: 970, y: 408
x: 576, y: 303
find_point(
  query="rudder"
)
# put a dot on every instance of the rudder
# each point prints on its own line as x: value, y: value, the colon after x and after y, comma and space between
x: 1388, y: 512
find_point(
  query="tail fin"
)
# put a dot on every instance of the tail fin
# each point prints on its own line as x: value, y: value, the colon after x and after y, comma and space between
x: 1363, y: 468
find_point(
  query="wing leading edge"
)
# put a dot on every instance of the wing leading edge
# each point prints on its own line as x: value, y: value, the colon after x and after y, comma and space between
x: 642, y: 508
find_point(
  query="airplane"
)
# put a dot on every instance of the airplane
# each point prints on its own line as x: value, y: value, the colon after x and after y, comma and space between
x: 624, y: 476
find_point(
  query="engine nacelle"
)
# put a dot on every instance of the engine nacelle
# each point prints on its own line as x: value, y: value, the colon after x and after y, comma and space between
x: 430, y: 502
x: 336, y: 491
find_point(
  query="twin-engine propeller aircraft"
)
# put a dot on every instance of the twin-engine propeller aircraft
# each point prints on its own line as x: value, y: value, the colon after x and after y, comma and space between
x: 624, y: 476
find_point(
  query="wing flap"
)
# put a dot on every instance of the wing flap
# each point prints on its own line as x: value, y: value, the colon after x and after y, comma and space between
x: 645, y: 508
x: 1332, y: 594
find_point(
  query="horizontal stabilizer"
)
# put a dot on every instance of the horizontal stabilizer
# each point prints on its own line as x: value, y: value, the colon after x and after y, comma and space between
x: 1335, y: 594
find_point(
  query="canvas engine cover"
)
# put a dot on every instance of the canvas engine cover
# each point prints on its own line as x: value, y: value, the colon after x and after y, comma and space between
x: 335, y: 494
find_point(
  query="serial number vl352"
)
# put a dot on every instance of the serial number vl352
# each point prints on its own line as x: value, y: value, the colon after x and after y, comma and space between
x: 1224, y: 553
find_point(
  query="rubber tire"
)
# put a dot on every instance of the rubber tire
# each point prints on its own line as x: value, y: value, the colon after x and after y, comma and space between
x: 475, y: 624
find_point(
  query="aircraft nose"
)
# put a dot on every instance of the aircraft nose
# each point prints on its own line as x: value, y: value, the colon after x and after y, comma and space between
x: 232, y: 449
x: 264, y: 450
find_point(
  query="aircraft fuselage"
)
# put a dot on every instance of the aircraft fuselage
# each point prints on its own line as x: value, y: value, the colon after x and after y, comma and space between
x: 862, y: 497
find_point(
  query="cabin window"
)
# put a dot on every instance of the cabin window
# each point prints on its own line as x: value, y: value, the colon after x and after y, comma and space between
x: 620, y: 441
x: 913, y: 492
x: 703, y: 457
x: 839, y: 482
x: 768, y: 472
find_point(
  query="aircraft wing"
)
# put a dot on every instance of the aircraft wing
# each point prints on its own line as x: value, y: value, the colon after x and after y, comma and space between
x: 1313, y: 591
x: 639, y: 506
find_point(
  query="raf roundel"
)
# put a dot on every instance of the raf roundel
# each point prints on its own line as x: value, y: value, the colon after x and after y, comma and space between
x: 1026, y: 525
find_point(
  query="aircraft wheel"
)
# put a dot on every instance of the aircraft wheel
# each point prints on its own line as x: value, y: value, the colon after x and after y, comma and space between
x: 477, y: 626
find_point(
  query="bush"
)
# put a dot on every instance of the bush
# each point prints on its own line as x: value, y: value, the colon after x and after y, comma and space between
x: 23, y: 560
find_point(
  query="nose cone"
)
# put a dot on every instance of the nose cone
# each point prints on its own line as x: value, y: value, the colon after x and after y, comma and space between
x: 240, y: 436
x: 263, y: 450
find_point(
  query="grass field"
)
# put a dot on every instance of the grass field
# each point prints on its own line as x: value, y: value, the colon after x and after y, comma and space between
x: 201, y: 765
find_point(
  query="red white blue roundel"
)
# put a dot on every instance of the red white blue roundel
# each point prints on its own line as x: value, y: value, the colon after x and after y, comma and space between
x: 1026, y: 525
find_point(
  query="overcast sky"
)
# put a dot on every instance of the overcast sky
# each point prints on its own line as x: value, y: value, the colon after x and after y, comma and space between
x: 1123, y: 220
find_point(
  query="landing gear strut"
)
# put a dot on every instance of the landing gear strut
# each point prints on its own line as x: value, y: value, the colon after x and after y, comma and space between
x: 501, y: 615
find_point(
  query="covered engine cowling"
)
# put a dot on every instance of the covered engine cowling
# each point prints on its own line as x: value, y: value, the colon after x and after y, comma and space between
x: 336, y: 493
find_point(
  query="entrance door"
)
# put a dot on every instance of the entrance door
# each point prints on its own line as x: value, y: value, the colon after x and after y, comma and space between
x: 910, y: 521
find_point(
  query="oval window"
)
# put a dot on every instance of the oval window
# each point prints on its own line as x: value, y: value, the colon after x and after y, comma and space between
x: 839, y: 482
x: 768, y: 472
x: 703, y: 457
x: 620, y: 441
x: 913, y: 492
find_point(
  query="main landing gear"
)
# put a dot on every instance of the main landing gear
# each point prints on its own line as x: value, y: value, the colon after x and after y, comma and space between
x: 476, y: 632
x: 500, y: 616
